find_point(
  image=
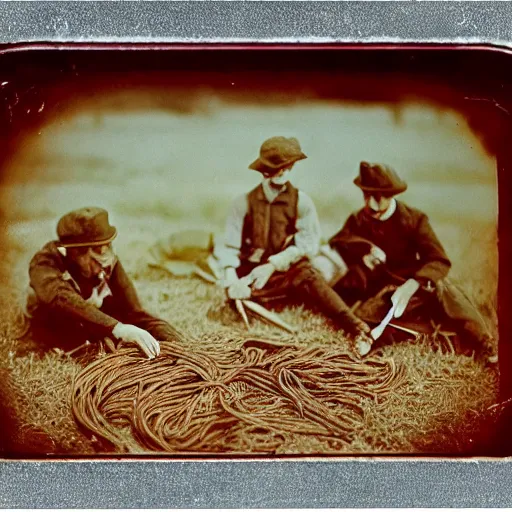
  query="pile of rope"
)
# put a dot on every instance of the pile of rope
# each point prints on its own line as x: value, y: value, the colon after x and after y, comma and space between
x: 242, y: 401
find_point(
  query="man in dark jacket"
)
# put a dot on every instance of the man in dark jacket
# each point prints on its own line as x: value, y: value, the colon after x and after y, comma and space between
x: 80, y: 291
x: 271, y: 234
x: 388, y: 245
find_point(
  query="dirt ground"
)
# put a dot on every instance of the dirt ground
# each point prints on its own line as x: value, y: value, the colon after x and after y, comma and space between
x: 159, y: 173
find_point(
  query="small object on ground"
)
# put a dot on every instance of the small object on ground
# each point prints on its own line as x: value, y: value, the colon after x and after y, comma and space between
x: 77, y: 349
x: 493, y: 359
x: 501, y: 405
x: 243, y: 314
x: 407, y: 330
x: 110, y: 344
x: 201, y: 273
x: 267, y: 343
x: 183, y: 269
x: 268, y: 315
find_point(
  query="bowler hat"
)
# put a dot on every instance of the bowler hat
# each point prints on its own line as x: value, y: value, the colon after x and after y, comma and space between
x: 85, y: 227
x: 277, y: 153
x: 379, y: 178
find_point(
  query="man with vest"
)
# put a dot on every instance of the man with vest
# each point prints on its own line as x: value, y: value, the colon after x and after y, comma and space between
x: 388, y: 245
x: 79, y: 290
x: 271, y: 233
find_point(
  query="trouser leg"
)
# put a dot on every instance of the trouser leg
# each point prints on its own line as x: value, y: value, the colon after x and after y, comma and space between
x: 353, y: 286
x: 463, y: 313
x: 361, y: 283
x: 315, y: 291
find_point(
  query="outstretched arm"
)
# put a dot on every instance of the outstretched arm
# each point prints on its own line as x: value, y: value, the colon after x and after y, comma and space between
x: 55, y: 289
x: 131, y: 311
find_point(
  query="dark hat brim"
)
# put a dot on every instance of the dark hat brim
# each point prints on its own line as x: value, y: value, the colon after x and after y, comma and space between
x: 260, y: 166
x: 111, y: 235
x: 398, y: 189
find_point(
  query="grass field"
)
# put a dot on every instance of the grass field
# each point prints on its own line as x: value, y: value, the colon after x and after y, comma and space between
x: 161, y: 173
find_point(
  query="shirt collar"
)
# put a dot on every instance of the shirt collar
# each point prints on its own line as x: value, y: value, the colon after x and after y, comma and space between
x: 389, y: 212
x: 271, y: 192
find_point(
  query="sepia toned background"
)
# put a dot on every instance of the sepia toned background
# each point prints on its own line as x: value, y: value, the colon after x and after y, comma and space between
x: 159, y: 170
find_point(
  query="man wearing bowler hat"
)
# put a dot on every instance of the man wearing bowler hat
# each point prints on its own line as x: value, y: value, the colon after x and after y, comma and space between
x: 79, y: 290
x: 271, y: 233
x: 390, y: 246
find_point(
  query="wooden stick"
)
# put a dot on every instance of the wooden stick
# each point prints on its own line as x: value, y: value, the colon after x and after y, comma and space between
x: 356, y: 305
x: 195, y: 270
x: 201, y: 273
x: 71, y: 352
x: 213, y: 267
x: 243, y: 314
x: 405, y: 329
x: 446, y: 334
x: 268, y: 315
x: 110, y: 344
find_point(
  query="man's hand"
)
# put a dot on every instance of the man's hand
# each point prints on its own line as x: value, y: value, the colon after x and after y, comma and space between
x: 403, y: 295
x: 261, y: 274
x: 375, y: 257
x: 230, y: 277
x: 363, y: 344
x: 133, y: 334
x: 239, y: 290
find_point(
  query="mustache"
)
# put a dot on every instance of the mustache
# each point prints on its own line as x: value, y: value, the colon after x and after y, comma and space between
x: 106, y: 261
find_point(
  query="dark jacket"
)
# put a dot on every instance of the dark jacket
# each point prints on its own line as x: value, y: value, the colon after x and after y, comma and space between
x: 56, y: 296
x: 410, y: 244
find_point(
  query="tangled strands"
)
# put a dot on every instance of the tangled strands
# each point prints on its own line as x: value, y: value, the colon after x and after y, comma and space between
x: 250, y: 401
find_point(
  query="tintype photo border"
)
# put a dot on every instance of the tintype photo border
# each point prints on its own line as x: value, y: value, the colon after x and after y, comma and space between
x: 298, y: 483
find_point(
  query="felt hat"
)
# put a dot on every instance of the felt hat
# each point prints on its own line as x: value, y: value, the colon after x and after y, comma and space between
x: 379, y: 178
x: 277, y: 153
x: 85, y: 227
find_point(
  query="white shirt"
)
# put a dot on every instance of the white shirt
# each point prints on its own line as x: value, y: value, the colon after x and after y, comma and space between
x: 306, y: 240
x: 389, y: 212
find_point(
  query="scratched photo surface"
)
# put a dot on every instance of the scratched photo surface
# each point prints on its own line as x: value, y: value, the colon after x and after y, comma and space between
x: 265, y: 316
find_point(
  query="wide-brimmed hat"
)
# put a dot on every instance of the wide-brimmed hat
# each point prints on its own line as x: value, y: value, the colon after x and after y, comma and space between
x: 278, y: 153
x: 379, y: 178
x: 85, y: 227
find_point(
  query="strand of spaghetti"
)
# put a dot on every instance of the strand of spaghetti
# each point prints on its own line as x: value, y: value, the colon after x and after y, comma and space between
x: 289, y: 385
x: 296, y: 427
